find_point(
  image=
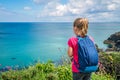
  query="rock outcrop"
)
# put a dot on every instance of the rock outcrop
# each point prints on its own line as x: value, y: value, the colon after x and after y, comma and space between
x: 113, y: 42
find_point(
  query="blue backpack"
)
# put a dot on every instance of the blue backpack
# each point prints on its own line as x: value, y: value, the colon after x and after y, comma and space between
x: 87, y: 55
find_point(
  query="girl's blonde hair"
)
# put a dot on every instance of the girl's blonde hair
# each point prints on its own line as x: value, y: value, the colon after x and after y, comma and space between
x: 82, y: 25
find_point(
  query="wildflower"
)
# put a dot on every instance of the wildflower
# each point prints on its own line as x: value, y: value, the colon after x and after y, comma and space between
x: 110, y: 57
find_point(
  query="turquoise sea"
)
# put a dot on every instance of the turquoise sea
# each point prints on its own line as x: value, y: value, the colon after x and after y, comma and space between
x: 22, y: 44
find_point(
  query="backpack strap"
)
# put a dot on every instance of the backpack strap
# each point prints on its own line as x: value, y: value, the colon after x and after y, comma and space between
x: 79, y: 38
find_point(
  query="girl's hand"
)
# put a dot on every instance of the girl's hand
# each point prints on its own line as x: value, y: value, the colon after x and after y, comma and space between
x: 71, y: 58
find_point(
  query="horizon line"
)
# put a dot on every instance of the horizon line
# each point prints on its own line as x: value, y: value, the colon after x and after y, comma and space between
x: 55, y: 21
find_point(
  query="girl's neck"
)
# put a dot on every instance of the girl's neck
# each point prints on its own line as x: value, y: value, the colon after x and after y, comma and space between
x: 80, y: 36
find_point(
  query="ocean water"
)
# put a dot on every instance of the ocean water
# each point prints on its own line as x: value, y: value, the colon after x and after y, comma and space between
x: 22, y: 44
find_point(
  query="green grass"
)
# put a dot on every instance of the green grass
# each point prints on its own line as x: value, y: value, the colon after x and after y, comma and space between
x: 46, y: 71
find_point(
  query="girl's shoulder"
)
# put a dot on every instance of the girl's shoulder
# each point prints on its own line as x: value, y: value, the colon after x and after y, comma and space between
x: 73, y: 39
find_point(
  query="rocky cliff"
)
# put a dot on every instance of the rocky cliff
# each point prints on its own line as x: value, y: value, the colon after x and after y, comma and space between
x: 113, y: 42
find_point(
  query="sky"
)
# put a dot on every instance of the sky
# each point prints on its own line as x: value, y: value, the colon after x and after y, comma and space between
x: 59, y: 10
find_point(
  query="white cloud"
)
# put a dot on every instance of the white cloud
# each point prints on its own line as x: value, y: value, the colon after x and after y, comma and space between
x: 107, y: 15
x: 92, y: 9
x: 89, y: 2
x: 55, y: 10
x: 99, y: 17
x: 61, y: 10
x: 27, y: 8
x: 73, y: 7
x: 111, y: 7
x: 76, y: 7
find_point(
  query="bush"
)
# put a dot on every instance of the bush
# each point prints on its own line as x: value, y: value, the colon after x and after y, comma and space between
x: 47, y: 71
x: 111, y: 63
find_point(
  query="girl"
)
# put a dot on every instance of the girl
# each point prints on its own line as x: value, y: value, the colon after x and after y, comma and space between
x: 80, y: 27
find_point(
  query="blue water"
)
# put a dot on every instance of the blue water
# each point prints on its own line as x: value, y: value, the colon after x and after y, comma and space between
x: 23, y: 43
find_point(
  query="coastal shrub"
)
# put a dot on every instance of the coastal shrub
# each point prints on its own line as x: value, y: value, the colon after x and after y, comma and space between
x: 48, y: 71
x: 101, y: 77
x: 45, y: 67
x: 51, y: 76
x: 111, y: 63
x: 64, y: 73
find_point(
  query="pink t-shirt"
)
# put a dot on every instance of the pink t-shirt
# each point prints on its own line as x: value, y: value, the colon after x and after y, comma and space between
x: 72, y: 42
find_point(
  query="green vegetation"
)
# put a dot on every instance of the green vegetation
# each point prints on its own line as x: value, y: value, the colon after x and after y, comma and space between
x: 46, y: 71
x: 50, y: 71
x: 40, y: 71
x: 111, y: 63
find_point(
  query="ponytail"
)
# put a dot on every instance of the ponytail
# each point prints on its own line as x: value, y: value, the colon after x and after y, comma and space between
x: 82, y: 25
